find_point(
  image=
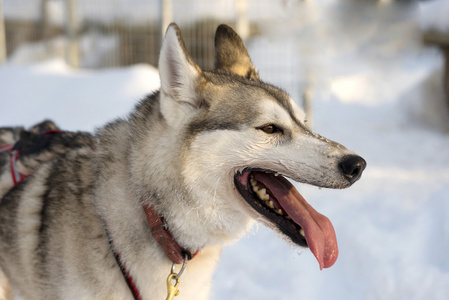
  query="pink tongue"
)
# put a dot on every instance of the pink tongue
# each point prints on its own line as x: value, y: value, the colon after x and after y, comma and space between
x: 319, y: 232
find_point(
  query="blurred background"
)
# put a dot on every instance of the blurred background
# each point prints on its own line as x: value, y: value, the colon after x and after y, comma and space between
x: 291, y: 41
x: 371, y: 74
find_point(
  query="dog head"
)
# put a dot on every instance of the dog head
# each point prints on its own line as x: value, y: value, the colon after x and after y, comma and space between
x: 243, y: 137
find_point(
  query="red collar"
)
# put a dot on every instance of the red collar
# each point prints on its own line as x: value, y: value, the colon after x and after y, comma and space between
x: 160, y: 232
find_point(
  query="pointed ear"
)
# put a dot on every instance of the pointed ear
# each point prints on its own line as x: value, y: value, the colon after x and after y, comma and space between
x: 178, y: 72
x: 231, y: 54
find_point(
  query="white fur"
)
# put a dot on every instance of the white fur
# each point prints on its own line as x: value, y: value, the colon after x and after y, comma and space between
x: 178, y: 75
x: 5, y: 290
x: 5, y: 182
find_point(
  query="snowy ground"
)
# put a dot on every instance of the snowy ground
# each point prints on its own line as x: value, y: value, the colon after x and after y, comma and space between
x: 392, y: 226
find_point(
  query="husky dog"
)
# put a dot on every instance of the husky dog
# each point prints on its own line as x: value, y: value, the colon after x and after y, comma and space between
x: 8, y: 164
x: 10, y: 135
x: 32, y: 148
x: 184, y: 175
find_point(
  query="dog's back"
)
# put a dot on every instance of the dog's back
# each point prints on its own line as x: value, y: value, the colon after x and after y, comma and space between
x: 25, y: 151
x: 31, y: 153
x: 9, y: 136
x: 41, y: 227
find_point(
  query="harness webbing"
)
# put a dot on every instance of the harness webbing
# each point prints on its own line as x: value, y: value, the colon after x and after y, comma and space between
x: 6, y: 148
x: 14, y: 151
x: 128, y: 278
x: 17, y: 177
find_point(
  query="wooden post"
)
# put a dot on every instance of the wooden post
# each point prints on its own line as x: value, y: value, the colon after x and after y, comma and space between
x: 72, y: 26
x: 166, y: 16
x: 308, y: 105
x: 307, y: 95
x: 2, y: 35
x: 442, y: 41
x: 44, y: 19
x: 45, y: 22
x: 446, y: 73
x: 242, y: 24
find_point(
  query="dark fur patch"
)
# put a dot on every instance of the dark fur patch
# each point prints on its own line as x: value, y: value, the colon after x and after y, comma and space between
x: 43, y: 240
x: 231, y: 55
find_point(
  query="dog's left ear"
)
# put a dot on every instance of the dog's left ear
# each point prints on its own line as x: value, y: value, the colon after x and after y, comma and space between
x: 178, y: 72
x: 231, y: 54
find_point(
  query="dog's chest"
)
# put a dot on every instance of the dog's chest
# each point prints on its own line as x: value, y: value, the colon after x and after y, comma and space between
x: 194, y: 283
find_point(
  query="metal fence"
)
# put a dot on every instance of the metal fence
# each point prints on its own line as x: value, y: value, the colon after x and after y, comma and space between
x: 111, y: 33
x: 114, y: 33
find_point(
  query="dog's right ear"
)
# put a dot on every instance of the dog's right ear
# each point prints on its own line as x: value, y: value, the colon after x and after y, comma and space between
x: 178, y: 72
x: 231, y: 54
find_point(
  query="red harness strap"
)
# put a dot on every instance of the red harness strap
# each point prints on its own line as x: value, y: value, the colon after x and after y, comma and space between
x: 17, y: 177
x: 128, y: 278
x: 6, y: 148
x: 51, y: 131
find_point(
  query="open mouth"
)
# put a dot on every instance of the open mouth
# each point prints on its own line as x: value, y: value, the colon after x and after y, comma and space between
x: 275, y: 198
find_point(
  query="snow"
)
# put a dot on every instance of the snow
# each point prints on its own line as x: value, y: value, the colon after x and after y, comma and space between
x: 96, y: 50
x: 379, y: 95
x: 74, y: 99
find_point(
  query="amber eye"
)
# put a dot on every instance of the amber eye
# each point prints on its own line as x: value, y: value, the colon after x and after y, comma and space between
x: 270, y: 129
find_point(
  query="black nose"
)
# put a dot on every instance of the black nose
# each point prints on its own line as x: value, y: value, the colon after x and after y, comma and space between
x: 352, y: 167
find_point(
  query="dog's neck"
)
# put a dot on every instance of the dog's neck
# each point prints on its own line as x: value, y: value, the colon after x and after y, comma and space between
x: 161, y: 233
x: 147, y: 163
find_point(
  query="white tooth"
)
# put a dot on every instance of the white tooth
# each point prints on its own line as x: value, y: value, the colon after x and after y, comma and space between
x: 276, y: 174
x: 261, y: 193
x: 301, y: 232
x: 288, y: 217
x: 253, y: 181
x: 270, y: 204
x: 266, y: 197
x: 279, y: 212
x: 256, y: 188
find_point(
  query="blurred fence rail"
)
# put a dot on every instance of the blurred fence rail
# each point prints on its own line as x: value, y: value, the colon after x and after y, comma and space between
x: 98, y: 34
x: 2, y: 36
